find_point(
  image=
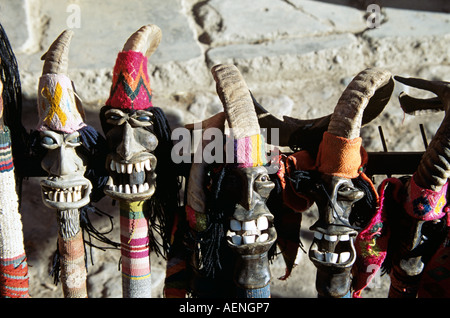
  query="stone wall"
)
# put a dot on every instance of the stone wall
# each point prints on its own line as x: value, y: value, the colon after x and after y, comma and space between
x: 297, y: 56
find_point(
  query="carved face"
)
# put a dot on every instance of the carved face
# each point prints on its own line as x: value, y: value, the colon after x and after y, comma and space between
x: 131, y: 163
x: 251, y: 224
x: 332, y: 250
x: 66, y: 187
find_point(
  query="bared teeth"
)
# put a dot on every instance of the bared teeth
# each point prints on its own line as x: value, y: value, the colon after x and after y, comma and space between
x: 130, y: 167
x: 248, y: 232
x: 72, y: 194
x: 328, y: 256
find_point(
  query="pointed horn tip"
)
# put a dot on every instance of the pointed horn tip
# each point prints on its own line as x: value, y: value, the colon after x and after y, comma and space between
x: 145, y: 40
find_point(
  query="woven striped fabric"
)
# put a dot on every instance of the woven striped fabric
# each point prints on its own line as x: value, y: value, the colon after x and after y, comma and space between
x: 130, y: 87
x: 175, y: 284
x: 13, y: 262
x: 250, y: 151
x: 14, y: 277
x: 135, y: 250
x: 73, y: 267
x: 6, y: 159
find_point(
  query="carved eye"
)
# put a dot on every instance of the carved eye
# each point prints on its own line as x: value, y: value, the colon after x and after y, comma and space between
x: 144, y: 118
x: 114, y: 117
x: 263, y: 178
x: 141, y: 119
x: 74, y: 140
x: 48, y: 141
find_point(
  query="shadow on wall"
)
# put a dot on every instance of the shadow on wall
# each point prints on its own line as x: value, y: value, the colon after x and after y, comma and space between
x: 420, y: 5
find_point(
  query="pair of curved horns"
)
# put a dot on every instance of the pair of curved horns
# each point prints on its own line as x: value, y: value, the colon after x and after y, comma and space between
x: 144, y: 40
x: 361, y: 102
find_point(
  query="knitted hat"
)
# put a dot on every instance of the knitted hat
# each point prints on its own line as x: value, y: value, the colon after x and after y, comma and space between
x: 248, y: 143
x: 130, y: 89
x: 57, y: 107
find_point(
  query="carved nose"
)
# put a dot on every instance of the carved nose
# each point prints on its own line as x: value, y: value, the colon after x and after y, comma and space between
x: 248, y: 196
x: 64, y: 162
x: 129, y: 146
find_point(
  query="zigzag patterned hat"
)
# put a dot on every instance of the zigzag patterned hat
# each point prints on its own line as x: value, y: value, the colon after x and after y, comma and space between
x: 57, y: 105
x: 130, y: 89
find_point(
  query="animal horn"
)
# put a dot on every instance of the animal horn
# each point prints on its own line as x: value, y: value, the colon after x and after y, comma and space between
x: 434, y: 167
x: 294, y: 131
x: 238, y: 104
x: 57, y: 57
x: 145, y: 40
x: 346, y: 120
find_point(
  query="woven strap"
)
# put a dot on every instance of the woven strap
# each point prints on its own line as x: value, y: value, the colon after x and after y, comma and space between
x: 135, y: 250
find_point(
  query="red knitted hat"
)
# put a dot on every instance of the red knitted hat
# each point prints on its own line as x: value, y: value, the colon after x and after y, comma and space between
x: 130, y: 87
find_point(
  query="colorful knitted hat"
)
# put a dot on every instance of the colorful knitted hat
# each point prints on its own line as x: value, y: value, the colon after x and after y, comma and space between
x: 249, y: 146
x: 57, y: 106
x: 130, y: 89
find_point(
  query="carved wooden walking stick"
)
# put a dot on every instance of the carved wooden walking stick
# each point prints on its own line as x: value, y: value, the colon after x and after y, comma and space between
x: 14, y: 280
x: 329, y: 171
x: 410, y: 225
x: 230, y: 196
x: 66, y: 189
x: 70, y: 152
x: 142, y: 176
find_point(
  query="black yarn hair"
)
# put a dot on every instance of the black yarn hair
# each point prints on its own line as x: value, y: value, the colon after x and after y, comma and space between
x: 216, y: 257
x: 12, y: 104
x: 165, y: 202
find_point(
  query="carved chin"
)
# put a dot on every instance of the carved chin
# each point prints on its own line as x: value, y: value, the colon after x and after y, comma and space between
x: 66, y: 194
x: 132, y: 180
x: 336, y: 250
x: 251, y: 236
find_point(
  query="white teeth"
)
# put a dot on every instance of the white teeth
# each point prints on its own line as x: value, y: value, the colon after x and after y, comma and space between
x: 331, y: 238
x: 127, y: 188
x: 120, y: 188
x: 134, y: 189
x: 331, y: 257
x: 344, y: 237
x: 248, y: 239
x: 147, y: 164
x: 141, y: 188
x: 128, y: 168
x: 249, y: 226
x: 236, y: 239
x: 69, y: 197
x: 318, y: 255
x: 318, y: 235
x: 146, y: 186
x: 344, y: 257
x: 110, y: 182
x: 235, y: 225
x: 263, y: 237
x: 72, y: 194
x: 262, y: 223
